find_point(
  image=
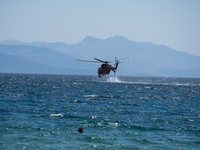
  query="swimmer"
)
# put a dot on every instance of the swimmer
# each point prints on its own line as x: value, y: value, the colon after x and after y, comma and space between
x: 80, y: 130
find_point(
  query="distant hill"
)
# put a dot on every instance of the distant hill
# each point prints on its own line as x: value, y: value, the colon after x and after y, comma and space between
x: 149, y: 59
x: 16, y: 64
x: 43, y: 55
x: 13, y: 42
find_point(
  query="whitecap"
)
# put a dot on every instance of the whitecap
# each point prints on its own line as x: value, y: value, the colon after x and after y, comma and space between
x: 93, y: 117
x: 90, y: 95
x: 113, y: 124
x: 56, y: 115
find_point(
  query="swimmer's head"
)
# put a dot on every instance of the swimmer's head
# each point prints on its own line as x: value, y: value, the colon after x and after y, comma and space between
x: 80, y: 130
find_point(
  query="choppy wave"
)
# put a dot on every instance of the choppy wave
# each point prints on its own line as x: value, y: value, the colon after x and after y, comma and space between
x: 42, y: 112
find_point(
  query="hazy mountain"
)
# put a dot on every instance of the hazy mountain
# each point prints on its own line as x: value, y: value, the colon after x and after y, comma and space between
x: 42, y: 55
x: 149, y: 59
x: 13, y: 42
x: 15, y: 64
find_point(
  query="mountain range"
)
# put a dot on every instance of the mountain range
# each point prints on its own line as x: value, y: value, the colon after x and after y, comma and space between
x: 60, y: 58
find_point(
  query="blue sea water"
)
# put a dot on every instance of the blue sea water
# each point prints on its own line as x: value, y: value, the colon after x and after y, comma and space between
x: 45, y: 112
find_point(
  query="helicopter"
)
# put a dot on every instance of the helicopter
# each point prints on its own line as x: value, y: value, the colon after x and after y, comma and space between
x: 105, y: 68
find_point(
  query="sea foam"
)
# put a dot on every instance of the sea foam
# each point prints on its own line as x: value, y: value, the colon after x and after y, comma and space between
x: 113, y: 79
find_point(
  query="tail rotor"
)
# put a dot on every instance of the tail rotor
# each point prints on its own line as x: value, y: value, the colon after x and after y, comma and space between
x: 117, y: 62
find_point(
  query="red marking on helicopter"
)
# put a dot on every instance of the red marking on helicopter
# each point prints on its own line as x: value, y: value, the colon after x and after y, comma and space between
x: 105, y: 67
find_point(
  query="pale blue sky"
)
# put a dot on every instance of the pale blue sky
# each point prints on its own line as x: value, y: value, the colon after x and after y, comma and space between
x: 174, y: 23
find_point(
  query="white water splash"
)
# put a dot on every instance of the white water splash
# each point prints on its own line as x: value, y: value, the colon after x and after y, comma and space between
x: 113, y: 79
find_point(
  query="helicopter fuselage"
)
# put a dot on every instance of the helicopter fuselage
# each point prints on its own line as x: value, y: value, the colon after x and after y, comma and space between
x: 105, y: 69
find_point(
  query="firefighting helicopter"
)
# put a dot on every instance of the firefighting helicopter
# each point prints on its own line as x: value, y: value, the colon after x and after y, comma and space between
x: 105, y: 68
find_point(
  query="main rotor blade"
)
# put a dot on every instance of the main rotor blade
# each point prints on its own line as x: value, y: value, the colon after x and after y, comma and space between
x: 99, y: 60
x: 89, y: 61
x: 127, y: 60
x: 103, y: 61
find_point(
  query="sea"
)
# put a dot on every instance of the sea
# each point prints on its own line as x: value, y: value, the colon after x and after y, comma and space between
x: 42, y: 111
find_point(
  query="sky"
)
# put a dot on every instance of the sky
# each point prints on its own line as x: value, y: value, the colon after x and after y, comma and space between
x: 173, y: 23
